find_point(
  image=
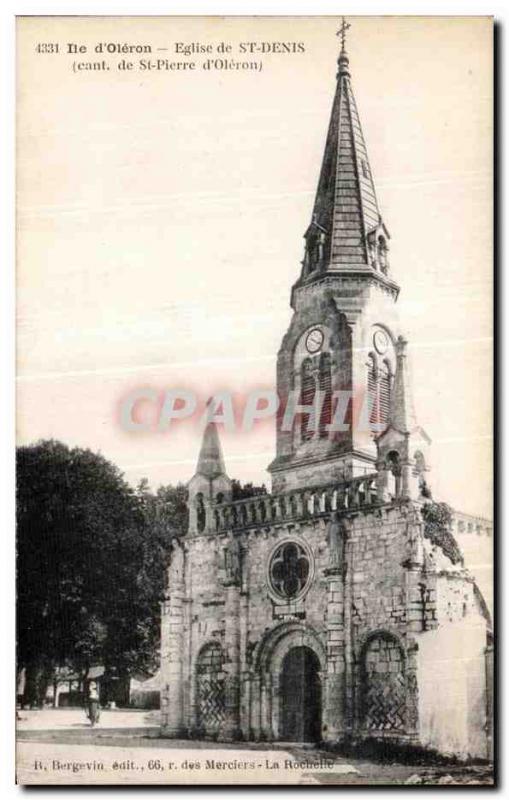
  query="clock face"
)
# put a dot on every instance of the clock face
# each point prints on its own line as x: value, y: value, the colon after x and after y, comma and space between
x: 381, y: 342
x: 314, y: 340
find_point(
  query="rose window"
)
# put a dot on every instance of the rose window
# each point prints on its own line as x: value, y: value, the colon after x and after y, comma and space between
x: 289, y: 570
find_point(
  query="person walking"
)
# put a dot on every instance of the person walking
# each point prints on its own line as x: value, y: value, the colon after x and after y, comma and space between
x: 93, y: 704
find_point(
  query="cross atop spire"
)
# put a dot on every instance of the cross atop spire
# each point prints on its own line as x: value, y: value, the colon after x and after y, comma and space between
x: 342, y: 32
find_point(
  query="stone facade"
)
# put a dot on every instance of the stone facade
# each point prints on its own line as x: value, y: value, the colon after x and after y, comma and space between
x: 363, y: 612
x: 323, y: 611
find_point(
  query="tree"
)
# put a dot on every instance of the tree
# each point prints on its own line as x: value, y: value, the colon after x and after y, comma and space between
x: 242, y: 491
x: 90, y: 569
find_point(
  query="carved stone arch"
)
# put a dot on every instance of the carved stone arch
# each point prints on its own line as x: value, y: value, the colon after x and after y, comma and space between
x: 269, y: 659
x: 364, y: 640
x: 375, y: 324
x: 389, y: 354
x: 270, y: 651
x: 393, y: 461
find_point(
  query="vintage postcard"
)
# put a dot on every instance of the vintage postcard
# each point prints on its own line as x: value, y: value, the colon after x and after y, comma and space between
x: 254, y: 404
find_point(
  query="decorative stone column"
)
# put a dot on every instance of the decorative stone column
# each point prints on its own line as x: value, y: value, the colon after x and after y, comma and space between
x: 230, y: 728
x: 382, y: 481
x: 172, y: 648
x: 245, y: 674
x: 256, y: 707
x: 266, y: 733
x: 334, y: 705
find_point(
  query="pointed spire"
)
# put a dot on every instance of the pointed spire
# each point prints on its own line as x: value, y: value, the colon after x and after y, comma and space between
x: 346, y: 222
x: 210, y: 460
x: 402, y: 414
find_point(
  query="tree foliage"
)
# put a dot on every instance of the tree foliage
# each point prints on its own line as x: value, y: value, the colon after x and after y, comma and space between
x: 437, y: 528
x: 242, y: 491
x: 91, y: 553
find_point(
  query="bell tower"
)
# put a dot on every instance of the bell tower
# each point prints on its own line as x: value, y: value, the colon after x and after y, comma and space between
x: 337, y: 362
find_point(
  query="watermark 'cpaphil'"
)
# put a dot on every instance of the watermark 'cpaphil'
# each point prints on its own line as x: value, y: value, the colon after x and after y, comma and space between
x: 329, y: 413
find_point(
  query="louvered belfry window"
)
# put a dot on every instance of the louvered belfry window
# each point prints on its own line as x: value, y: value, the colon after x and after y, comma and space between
x: 307, y: 397
x: 325, y: 385
x: 379, y: 391
x: 385, y: 392
x: 373, y: 390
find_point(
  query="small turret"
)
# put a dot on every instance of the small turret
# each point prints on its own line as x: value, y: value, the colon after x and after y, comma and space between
x: 402, y: 447
x: 209, y: 485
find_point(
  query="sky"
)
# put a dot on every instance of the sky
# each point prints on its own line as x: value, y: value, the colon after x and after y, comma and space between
x: 160, y: 219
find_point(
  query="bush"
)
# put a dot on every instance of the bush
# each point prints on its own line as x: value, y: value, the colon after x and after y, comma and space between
x: 437, y: 528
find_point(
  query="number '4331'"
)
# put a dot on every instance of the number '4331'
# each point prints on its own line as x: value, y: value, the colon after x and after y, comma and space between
x: 47, y: 47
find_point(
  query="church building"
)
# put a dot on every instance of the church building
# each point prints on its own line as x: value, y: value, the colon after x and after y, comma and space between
x: 330, y: 610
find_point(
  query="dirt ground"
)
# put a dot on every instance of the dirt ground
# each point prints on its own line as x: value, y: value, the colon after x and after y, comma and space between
x: 59, y: 746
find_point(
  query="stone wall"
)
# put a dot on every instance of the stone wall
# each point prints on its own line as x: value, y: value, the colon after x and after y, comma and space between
x: 452, y: 689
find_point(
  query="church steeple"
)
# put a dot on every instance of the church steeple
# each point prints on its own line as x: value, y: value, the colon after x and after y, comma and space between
x: 339, y: 353
x: 209, y: 485
x: 347, y: 232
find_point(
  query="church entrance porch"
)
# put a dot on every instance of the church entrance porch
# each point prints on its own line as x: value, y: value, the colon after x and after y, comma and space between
x: 301, y: 696
x: 286, y: 685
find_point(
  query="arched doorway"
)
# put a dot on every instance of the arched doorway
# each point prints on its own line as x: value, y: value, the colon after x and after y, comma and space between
x: 301, y: 696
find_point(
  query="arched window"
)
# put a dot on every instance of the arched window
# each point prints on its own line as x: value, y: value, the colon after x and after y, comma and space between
x: 314, y: 250
x: 311, y: 254
x: 307, y: 397
x: 325, y: 386
x: 379, y: 387
x: 384, y: 392
x: 200, y: 512
x: 373, y: 389
x: 394, y: 466
x: 383, y: 685
x: 210, y: 689
x: 311, y: 257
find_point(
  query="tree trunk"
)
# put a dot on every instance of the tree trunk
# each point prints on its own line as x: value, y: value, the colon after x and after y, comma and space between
x: 45, y: 678
x: 32, y: 677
